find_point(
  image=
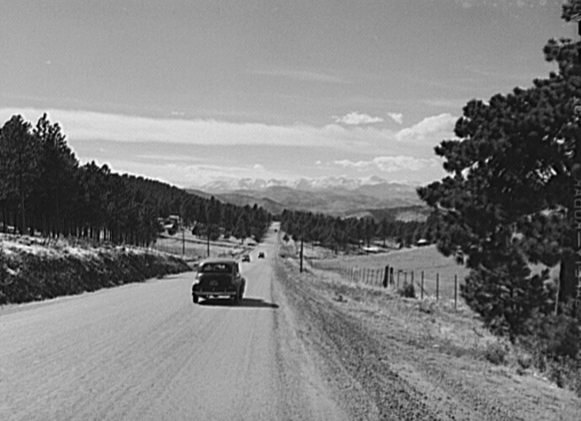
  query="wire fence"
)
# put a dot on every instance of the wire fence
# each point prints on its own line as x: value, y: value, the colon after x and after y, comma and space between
x: 426, y: 284
x: 193, y: 251
x: 177, y: 250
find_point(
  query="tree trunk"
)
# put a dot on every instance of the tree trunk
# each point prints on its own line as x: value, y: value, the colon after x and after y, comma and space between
x: 567, y: 278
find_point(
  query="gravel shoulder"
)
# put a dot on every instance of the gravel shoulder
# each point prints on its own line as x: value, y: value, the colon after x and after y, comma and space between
x: 387, y: 358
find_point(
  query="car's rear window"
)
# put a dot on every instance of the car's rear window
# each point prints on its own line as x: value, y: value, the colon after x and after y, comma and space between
x: 216, y: 268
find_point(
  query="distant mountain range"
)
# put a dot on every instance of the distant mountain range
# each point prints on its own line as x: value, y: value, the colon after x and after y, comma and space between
x: 336, y: 196
x: 227, y: 184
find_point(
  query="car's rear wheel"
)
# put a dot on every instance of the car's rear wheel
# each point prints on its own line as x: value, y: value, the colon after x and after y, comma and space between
x: 236, y: 298
x: 195, y: 298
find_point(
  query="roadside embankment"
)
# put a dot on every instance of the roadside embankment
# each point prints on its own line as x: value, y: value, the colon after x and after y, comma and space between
x: 394, y: 358
x: 33, y: 269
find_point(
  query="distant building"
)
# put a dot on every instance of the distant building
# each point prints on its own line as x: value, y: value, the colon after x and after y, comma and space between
x: 371, y: 249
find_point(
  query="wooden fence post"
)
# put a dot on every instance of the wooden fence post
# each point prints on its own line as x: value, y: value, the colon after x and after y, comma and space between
x: 437, y: 286
x: 422, y: 286
x: 386, y: 277
x: 455, y: 291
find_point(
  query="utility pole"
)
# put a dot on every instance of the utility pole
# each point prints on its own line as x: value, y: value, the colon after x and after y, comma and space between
x: 183, y: 225
x: 302, y: 243
x: 208, y: 228
x: 576, y: 170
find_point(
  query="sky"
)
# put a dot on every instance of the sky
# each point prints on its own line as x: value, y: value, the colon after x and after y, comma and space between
x: 192, y: 91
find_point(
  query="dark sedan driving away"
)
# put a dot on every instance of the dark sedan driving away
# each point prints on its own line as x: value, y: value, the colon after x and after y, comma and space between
x: 218, y: 278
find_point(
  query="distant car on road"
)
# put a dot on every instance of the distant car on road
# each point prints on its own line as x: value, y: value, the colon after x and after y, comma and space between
x: 246, y: 258
x: 218, y: 278
x: 261, y: 255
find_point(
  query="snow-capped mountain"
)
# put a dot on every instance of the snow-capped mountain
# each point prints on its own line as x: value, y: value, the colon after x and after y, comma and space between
x: 332, y: 195
x: 227, y: 185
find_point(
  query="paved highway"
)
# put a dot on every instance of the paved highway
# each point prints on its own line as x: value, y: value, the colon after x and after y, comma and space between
x: 146, y: 352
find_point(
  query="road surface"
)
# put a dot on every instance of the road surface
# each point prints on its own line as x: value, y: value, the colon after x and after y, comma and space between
x: 146, y: 352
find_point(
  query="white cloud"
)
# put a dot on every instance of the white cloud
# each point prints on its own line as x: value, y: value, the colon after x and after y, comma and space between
x: 325, y: 143
x: 91, y: 126
x: 84, y: 126
x: 355, y: 118
x: 397, y: 117
x: 440, y: 126
x: 185, y: 175
x: 391, y: 163
x: 348, y: 163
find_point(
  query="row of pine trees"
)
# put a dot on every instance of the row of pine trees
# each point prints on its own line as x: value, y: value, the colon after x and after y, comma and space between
x: 45, y: 190
x: 345, y: 233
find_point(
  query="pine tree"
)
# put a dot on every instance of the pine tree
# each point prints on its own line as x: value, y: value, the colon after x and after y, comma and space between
x: 19, y: 153
x: 508, y: 197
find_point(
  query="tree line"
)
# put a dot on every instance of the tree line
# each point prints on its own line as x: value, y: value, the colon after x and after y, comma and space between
x: 348, y: 233
x: 45, y: 190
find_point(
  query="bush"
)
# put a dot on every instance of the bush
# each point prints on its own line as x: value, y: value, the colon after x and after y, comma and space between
x: 427, y: 306
x: 407, y: 291
x: 495, y: 353
x: 47, y: 276
x: 553, y: 336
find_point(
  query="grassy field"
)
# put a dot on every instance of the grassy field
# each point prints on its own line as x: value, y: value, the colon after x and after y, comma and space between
x: 439, y: 272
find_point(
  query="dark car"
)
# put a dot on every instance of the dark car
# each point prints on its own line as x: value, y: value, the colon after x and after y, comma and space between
x: 218, y: 278
x: 261, y: 255
x: 246, y: 258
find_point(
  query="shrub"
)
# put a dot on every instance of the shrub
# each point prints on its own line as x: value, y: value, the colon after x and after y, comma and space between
x: 495, y: 353
x: 46, y: 276
x: 407, y: 291
x: 553, y: 336
x: 427, y: 306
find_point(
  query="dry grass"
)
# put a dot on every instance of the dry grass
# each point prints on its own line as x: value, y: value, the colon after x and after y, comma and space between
x: 194, y: 247
x: 434, y: 339
x: 438, y: 272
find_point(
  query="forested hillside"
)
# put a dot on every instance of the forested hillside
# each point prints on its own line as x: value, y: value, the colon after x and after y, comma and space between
x: 44, y: 190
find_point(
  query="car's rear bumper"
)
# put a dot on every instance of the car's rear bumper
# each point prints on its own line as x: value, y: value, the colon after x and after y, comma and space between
x: 216, y: 293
